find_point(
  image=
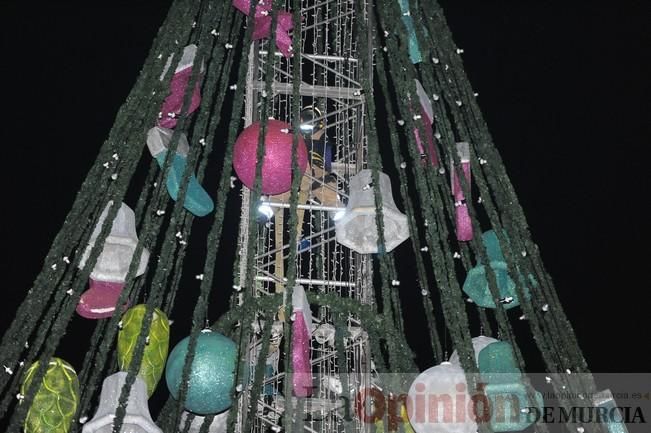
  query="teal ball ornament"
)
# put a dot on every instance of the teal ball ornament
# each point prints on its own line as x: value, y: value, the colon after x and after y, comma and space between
x: 212, y: 375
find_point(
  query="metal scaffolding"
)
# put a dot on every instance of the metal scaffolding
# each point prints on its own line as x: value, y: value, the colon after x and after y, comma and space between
x: 329, y: 80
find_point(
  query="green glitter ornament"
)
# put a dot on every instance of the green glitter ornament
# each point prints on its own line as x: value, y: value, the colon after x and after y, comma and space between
x: 55, y: 403
x: 157, y: 345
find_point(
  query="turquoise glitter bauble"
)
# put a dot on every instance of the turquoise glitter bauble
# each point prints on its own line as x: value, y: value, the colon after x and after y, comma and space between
x: 212, y: 375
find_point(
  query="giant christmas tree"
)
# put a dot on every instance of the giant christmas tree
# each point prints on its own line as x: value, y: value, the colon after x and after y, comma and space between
x: 304, y: 107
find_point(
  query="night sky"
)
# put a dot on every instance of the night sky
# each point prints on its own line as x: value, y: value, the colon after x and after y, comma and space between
x: 565, y: 93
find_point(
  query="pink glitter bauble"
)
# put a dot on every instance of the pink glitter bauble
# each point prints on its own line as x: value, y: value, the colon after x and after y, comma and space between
x: 277, y: 164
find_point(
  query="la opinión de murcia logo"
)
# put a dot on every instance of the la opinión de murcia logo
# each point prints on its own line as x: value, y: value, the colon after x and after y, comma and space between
x: 371, y: 406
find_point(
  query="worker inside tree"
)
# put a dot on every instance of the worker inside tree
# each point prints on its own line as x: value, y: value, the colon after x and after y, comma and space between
x: 324, y: 186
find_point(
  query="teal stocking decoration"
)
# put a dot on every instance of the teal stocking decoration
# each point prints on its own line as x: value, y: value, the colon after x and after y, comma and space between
x: 197, y: 200
x: 414, y: 49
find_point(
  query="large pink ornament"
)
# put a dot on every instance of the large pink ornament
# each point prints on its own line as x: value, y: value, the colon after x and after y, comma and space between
x: 277, y: 164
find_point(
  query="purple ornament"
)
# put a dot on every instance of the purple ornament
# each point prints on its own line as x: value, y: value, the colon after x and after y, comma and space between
x: 277, y: 164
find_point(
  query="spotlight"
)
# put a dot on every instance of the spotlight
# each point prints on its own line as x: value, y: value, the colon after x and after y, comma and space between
x: 336, y: 216
x: 265, y: 210
x: 306, y: 127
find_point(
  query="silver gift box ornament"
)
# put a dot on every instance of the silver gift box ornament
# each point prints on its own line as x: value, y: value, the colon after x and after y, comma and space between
x: 357, y: 229
x: 137, y: 418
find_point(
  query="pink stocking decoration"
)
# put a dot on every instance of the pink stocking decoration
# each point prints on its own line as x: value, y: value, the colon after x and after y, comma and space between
x: 301, y: 334
x: 173, y: 104
x: 262, y: 24
x: 99, y: 301
x: 107, y: 278
x: 464, y: 225
x: 427, y: 117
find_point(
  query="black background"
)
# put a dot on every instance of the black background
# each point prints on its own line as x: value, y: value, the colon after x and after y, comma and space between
x: 564, y: 90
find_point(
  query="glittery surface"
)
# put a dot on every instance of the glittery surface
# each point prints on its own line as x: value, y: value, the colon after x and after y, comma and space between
x: 262, y: 23
x: 414, y: 48
x: 173, y: 104
x: 507, y: 401
x: 155, y: 354
x: 476, y: 283
x: 429, y: 137
x: 277, y: 164
x: 497, y: 363
x: 302, y: 378
x: 99, y: 301
x: 492, y: 245
x: 427, y: 117
x: 212, y: 375
x: 137, y: 418
x: 463, y: 222
x: 55, y: 402
x: 197, y: 200
x: 440, y: 381
x: 604, y: 399
x: 504, y: 388
x: 477, y: 288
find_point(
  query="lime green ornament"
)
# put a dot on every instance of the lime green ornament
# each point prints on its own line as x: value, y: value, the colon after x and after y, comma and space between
x: 56, y: 400
x: 157, y: 344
